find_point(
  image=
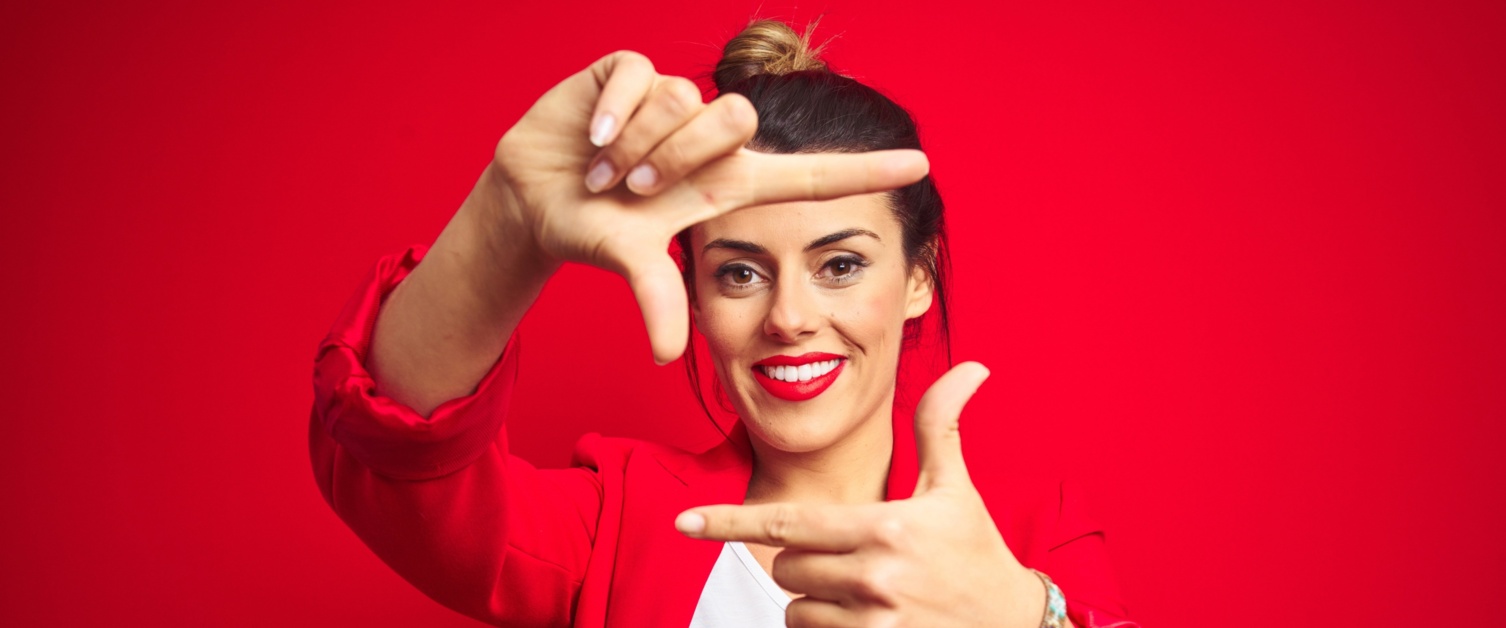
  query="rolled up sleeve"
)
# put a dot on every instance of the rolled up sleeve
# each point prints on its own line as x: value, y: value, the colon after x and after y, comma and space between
x: 440, y: 499
x: 381, y: 433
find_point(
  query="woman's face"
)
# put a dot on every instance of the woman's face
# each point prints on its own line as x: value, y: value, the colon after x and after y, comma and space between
x: 803, y: 306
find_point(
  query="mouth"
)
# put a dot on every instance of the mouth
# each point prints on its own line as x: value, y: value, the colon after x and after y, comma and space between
x: 798, y: 378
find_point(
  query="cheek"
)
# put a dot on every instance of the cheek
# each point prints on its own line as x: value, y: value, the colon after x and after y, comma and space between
x: 885, y: 307
x: 884, y: 303
x: 872, y: 320
x: 879, y: 318
x: 727, y: 324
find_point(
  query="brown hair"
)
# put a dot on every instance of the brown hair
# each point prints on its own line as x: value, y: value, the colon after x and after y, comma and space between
x: 767, y: 47
x: 805, y: 107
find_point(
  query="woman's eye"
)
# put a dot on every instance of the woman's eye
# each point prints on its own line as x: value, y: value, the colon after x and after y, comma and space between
x: 738, y: 276
x: 845, y: 268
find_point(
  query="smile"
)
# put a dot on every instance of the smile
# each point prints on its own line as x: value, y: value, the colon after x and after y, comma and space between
x: 798, y: 378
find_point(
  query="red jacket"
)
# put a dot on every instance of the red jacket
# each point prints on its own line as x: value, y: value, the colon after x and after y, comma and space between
x: 483, y: 532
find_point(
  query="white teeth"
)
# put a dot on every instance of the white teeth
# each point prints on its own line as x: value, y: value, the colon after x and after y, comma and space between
x: 802, y: 373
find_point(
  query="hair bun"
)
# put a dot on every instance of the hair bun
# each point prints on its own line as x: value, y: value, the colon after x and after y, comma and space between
x: 767, y: 47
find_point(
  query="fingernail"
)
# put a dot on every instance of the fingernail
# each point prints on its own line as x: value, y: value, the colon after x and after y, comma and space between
x: 599, y: 175
x: 690, y: 523
x: 601, y: 128
x: 642, y: 177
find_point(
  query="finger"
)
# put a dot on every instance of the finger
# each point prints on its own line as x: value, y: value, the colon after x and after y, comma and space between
x: 719, y: 129
x: 660, y: 291
x: 671, y: 103
x: 822, y: 575
x: 937, y: 439
x: 809, y: 612
x: 823, y: 527
x: 752, y: 178
x: 625, y: 78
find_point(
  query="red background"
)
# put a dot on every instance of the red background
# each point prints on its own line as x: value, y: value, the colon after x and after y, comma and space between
x: 1239, y: 269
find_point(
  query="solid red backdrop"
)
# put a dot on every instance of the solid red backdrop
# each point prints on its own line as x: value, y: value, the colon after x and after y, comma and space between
x: 1239, y: 271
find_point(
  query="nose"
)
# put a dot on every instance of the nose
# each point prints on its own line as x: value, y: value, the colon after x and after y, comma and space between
x: 793, y: 314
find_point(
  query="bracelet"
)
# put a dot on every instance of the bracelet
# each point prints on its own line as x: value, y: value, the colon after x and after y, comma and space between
x: 1055, y: 615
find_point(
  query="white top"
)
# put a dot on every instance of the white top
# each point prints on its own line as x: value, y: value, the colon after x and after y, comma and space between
x: 739, y: 594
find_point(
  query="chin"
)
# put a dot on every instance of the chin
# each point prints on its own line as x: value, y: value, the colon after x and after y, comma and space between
x: 796, y: 427
x: 795, y: 439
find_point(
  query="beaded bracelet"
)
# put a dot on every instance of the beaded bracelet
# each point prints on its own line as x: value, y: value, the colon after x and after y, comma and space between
x: 1056, y: 606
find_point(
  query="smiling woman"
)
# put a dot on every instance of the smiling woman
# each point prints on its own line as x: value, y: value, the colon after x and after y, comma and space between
x: 808, y: 310
x: 812, y: 245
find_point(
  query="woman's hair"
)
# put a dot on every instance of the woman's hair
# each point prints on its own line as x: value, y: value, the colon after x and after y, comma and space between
x: 805, y: 107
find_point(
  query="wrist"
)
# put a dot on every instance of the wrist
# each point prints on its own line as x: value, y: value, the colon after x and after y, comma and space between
x: 1027, y: 598
x: 501, y: 231
x: 1054, y: 613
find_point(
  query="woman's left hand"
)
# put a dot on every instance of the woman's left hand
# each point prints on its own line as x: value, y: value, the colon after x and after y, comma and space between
x: 935, y: 559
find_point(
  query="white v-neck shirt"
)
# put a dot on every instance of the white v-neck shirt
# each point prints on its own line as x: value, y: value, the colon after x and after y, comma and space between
x: 739, y: 594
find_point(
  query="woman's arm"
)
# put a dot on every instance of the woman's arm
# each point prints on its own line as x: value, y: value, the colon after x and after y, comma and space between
x: 443, y: 327
x: 438, y: 498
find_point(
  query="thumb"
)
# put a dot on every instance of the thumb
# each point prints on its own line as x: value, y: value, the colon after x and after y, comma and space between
x: 660, y: 291
x: 937, y: 439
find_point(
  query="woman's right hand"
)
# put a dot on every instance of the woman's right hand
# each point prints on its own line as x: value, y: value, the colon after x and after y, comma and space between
x: 559, y: 174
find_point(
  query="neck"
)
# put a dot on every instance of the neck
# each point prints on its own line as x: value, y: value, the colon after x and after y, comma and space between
x: 854, y: 469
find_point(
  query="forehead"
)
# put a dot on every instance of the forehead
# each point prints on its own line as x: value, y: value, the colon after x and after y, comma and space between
x: 783, y: 226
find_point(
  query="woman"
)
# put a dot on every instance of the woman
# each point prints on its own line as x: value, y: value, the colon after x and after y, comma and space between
x: 804, y: 294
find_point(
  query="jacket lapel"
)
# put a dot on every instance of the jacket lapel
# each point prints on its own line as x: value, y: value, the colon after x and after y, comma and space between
x: 659, y: 572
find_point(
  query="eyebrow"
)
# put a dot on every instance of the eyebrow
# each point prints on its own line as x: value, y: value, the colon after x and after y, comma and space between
x: 826, y: 240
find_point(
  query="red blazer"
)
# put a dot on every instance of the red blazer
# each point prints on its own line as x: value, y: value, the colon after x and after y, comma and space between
x: 487, y: 534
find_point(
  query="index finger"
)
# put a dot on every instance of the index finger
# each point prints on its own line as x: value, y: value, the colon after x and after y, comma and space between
x: 748, y: 177
x: 820, y: 527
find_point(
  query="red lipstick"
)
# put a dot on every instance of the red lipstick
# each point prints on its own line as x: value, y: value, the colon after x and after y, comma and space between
x: 798, y: 390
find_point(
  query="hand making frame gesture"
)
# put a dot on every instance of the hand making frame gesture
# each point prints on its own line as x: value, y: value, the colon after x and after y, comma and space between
x: 935, y: 559
x: 683, y: 161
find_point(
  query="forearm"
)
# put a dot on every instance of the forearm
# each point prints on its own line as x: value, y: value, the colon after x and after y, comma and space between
x: 445, y: 325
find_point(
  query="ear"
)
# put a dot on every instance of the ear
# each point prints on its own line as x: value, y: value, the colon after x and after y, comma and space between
x: 918, y: 292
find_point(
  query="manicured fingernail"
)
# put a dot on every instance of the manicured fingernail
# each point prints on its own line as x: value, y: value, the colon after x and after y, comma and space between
x: 690, y: 523
x: 599, y: 175
x: 601, y: 128
x: 643, y: 177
